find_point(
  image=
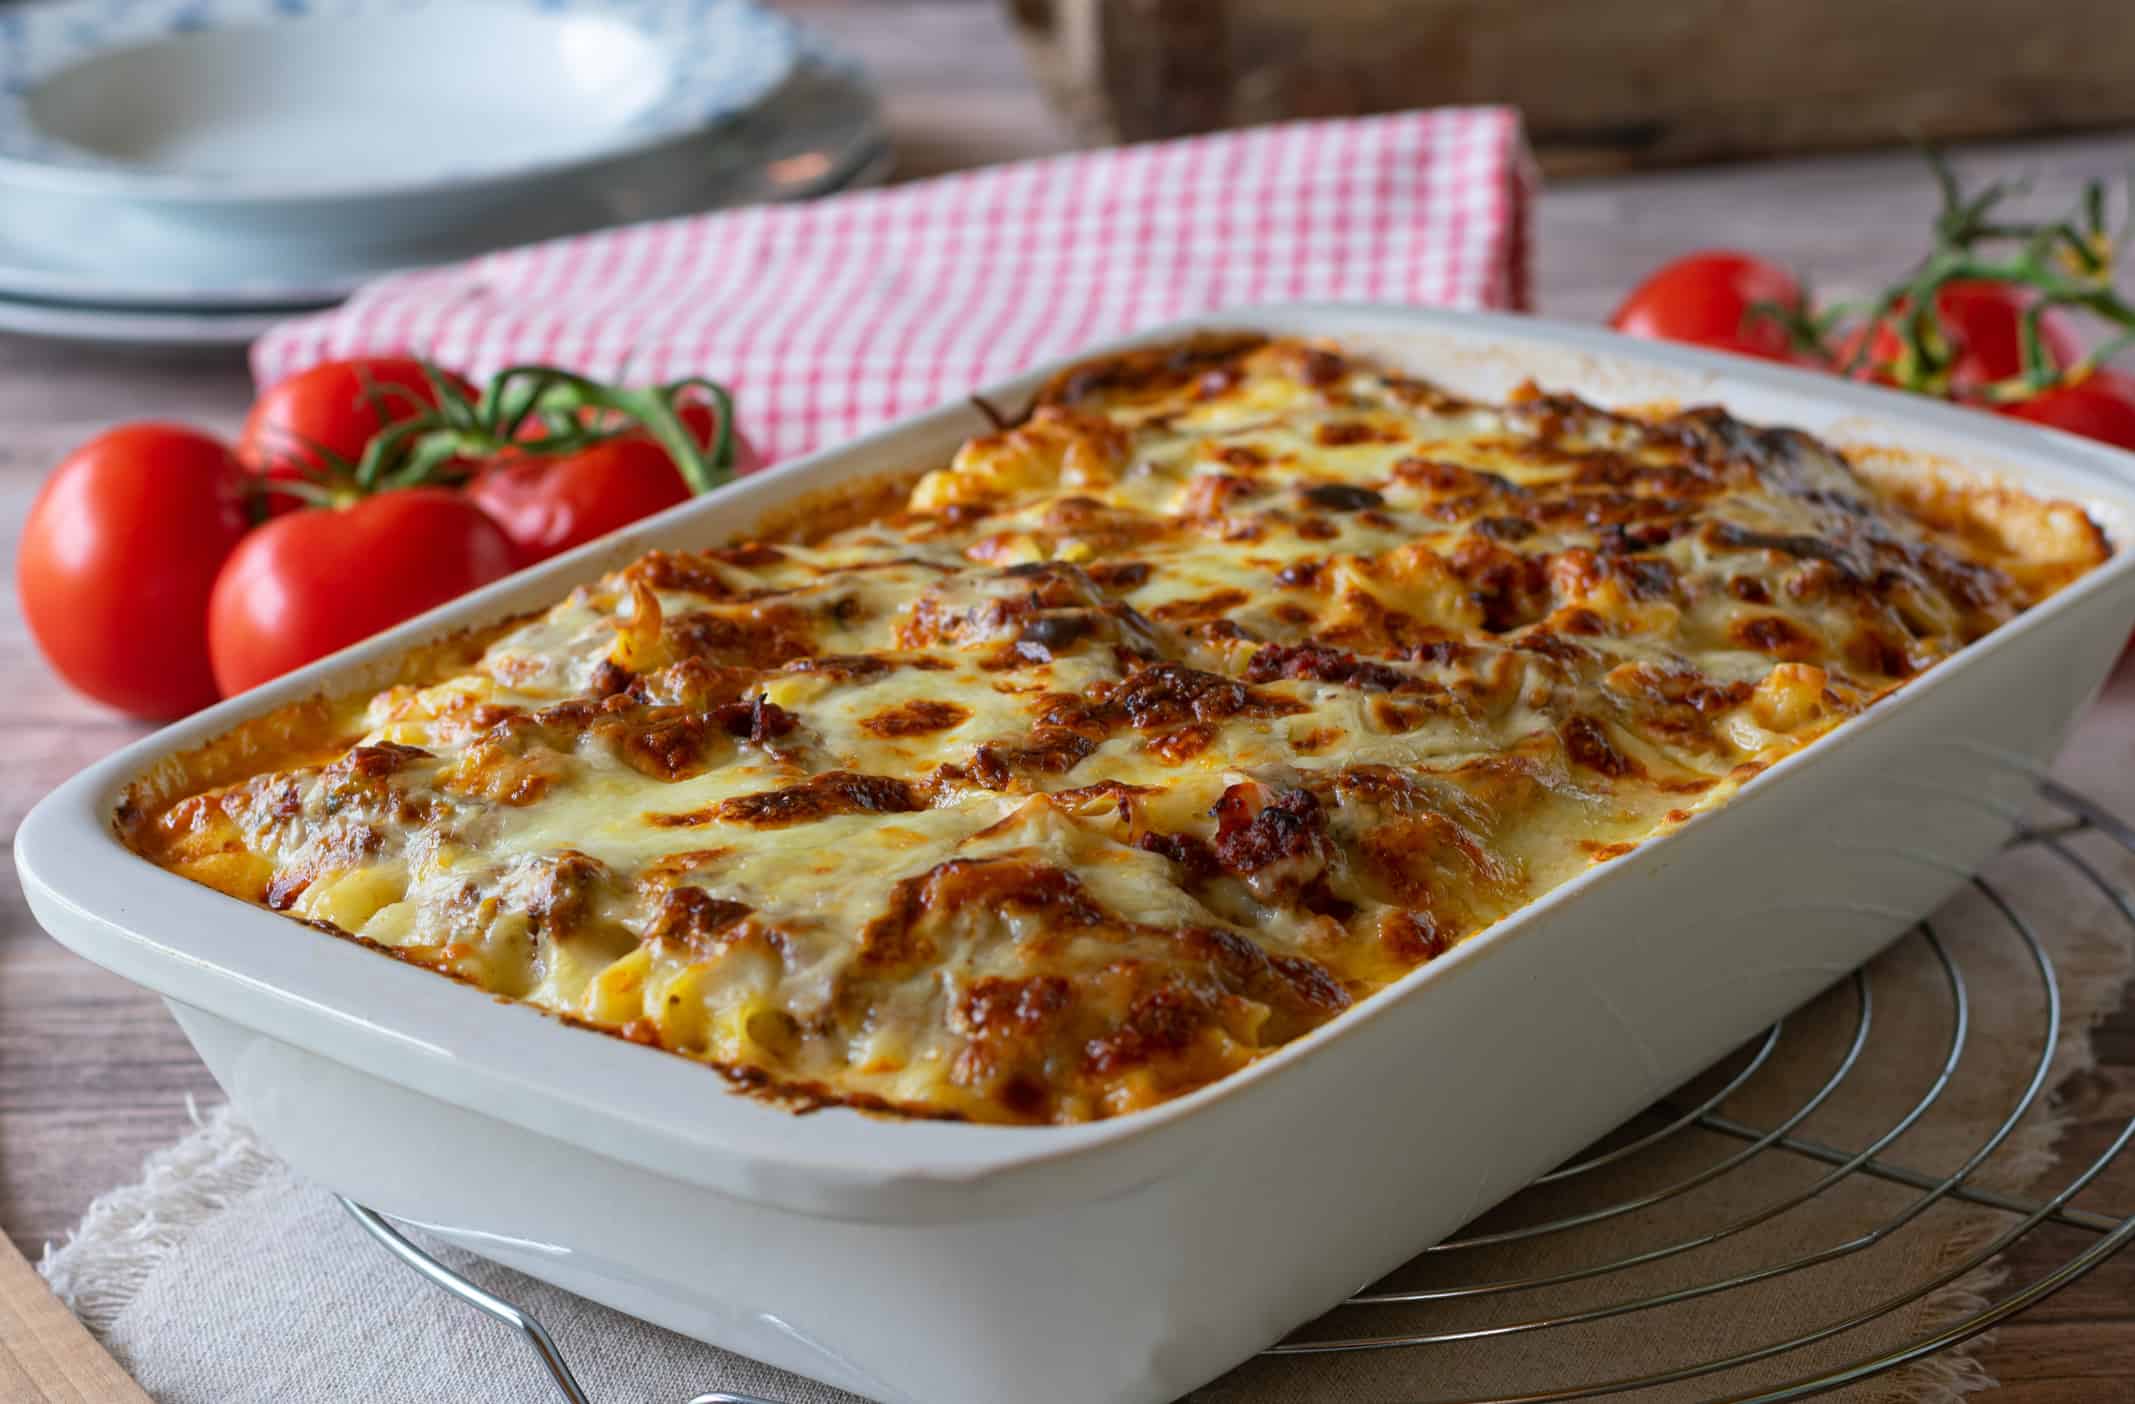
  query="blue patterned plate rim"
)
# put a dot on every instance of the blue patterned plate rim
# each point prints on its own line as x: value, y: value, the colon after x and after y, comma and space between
x: 724, y: 57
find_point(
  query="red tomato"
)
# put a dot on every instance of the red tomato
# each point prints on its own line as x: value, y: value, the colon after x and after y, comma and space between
x: 300, y: 425
x: 118, y: 555
x: 1985, y: 324
x: 1704, y: 299
x: 311, y: 582
x: 549, y: 505
x: 2101, y: 406
x: 702, y: 421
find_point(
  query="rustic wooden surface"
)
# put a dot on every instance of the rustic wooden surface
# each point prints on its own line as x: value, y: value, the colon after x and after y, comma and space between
x: 1605, y: 87
x: 93, y: 1073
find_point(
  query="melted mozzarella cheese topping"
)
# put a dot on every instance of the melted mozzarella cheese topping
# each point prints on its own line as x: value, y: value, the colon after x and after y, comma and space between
x: 1235, y: 683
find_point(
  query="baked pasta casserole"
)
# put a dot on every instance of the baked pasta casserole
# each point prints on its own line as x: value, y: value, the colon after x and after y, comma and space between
x: 1237, y: 680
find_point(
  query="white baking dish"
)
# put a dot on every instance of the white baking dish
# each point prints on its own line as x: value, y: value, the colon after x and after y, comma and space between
x: 1133, y: 1259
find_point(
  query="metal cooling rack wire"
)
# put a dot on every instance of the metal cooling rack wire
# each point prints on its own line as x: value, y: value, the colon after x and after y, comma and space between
x: 2109, y: 1233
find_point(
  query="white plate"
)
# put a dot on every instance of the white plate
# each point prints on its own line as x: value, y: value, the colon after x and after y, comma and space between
x: 132, y: 326
x: 231, y: 102
x: 145, y: 325
x: 258, y: 153
x: 813, y: 134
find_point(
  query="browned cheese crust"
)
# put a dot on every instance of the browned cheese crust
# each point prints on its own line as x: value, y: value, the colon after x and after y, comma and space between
x: 1237, y: 681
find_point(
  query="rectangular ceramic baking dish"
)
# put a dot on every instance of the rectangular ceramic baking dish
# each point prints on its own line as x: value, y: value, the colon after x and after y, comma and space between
x: 1133, y: 1259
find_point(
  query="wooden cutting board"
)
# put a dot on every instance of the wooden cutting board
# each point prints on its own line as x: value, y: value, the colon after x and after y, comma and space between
x: 46, y: 1356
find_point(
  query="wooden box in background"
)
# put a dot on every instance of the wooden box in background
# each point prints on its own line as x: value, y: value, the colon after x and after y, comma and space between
x: 1604, y: 83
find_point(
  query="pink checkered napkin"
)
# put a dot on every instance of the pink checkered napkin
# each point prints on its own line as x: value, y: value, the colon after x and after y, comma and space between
x: 829, y: 318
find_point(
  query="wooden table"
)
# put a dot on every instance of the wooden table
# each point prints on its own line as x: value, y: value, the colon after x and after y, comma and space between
x: 93, y: 1073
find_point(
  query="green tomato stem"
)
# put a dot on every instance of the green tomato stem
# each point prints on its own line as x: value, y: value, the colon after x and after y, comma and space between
x: 2069, y: 263
x: 415, y: 449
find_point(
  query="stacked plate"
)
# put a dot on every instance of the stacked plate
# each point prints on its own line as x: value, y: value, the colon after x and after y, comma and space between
x: 187, y: 171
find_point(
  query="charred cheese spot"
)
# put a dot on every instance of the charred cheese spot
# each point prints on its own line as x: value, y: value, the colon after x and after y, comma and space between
x: 1587, y: 742
x: 1342, y: 497
x: 694, y: 919
x: 834, y: 792
x: 1777, y: 635
x: 1235, y: 681
x: 918, y: 717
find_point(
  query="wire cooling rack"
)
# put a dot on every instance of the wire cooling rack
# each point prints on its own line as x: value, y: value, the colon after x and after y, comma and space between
x: 2101, y: 1235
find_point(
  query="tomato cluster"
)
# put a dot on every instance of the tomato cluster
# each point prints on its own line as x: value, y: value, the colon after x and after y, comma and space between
x: 160, y: 568
x: 1728, y: 301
